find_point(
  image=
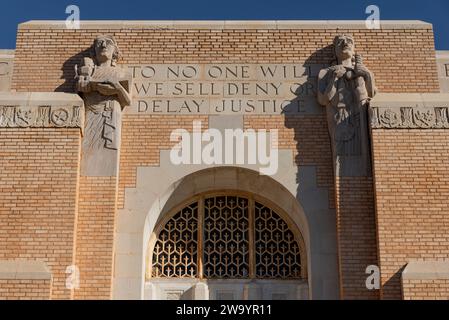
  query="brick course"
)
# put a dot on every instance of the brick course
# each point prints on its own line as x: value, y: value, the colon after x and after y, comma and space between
x: 402, y: 60
x: 412, y: 197
x: 38, y: 188
x: 95, y: 236
x: 437, y: 289
x: 308, y: 138
x: 143, y: 137
x: 15, y: 289
x: 357, y: 245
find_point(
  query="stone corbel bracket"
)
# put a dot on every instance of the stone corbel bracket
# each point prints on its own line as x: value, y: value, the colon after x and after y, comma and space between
x: 410, y: 111
x: 41, y: 110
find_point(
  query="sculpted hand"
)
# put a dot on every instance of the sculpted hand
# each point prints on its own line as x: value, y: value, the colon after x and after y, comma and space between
x: 107, y: 89
x: 114, y: 84
x: 83, y: 85
x: 338, y: 71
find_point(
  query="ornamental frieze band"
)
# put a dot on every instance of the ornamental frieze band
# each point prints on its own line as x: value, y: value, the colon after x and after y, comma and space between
x: 40, y: 117
x: 409, y: 117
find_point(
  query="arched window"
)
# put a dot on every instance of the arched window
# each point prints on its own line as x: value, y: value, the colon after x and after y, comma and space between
x: 227, y: 236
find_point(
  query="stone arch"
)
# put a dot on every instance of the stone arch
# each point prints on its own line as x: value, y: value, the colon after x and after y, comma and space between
x: 227, y: 179
x: 154, y: 193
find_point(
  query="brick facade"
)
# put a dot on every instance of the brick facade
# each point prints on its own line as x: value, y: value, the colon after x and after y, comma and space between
x: 154, y: 135
x: 58, y: 195
x: 307, y: 137
x: 384, y: 51
x: 356, y: 231
x: 33, y: 289
x: 412, y: 192
x: 425, y: 289
x: 38, y: 198
x: 95, y: 236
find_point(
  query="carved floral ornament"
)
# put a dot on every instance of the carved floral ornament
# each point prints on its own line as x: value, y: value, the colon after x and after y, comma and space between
x: 41, y: 117
x: 409, y: 117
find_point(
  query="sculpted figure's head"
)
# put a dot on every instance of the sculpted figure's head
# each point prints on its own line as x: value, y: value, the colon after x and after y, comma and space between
x: 105, y: 50
x: 344, y: 47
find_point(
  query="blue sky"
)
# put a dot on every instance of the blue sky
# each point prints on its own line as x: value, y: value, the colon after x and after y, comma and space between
x: 433, y: 11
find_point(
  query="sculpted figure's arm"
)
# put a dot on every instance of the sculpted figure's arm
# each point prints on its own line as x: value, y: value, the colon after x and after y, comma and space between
x: 83, y: 74
x: 83, y: 85
x: 123, y: 95
x: 107, y: 88
x: 327, y: 83
x: 363, y: 71
x: 111, y: 88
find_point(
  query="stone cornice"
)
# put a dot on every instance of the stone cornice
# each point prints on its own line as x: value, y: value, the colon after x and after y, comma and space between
x: 226, y: 24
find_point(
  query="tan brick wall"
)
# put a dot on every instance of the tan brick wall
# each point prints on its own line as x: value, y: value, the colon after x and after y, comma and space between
x: 33, y: 289
x: 38, y: 185
x: 143, y: 137
x: 402, y: 60
x: 307, y: 137
x: 95, y: 236
x: 435, y: 289
x: 356, y: 230
x: 412, y: 197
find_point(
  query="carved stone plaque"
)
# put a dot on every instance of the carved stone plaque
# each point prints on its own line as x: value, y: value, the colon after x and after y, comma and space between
x: 224, y: 89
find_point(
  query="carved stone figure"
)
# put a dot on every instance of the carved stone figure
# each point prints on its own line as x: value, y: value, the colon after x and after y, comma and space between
x: 105, y: 88
x: 345, y: 89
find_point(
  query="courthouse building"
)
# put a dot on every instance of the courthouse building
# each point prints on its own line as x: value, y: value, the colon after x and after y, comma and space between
x: 351, y: 200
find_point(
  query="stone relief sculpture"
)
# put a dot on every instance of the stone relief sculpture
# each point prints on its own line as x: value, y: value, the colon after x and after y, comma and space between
x: 345, y: 89
x: 105, y: 88
x: 413, y: 117
x: 40, y: 117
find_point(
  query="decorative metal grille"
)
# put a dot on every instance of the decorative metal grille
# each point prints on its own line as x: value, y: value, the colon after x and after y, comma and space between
x: 227, y: 242
x: 277, y: 251
x: 226, y: 232
x: 176, y: 249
